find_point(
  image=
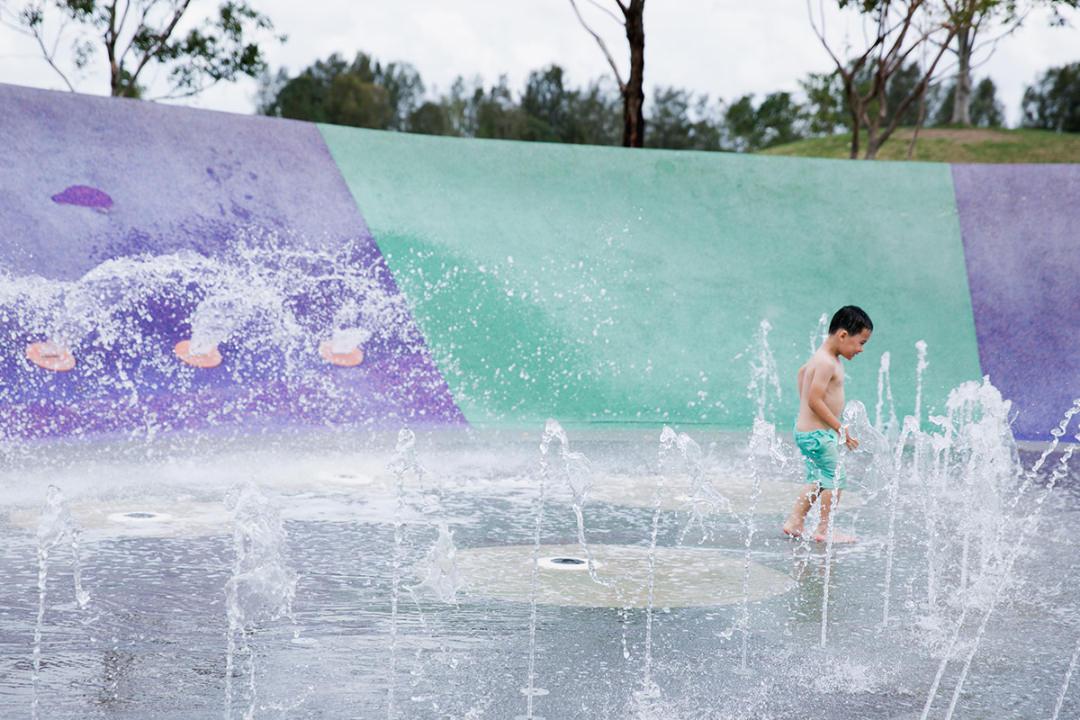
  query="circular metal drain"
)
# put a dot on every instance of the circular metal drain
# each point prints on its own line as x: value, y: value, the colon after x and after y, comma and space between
x: 139, y: 516
x: 564, y: 562
x: 344, y: 477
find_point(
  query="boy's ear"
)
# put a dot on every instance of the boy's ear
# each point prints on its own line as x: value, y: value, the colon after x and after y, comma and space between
x: 843, y: 334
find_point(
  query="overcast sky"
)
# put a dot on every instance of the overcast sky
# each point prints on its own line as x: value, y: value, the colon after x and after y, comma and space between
x: 724, y: 48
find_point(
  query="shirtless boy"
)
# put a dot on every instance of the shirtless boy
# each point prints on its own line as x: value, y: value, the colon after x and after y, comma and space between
x: 817, y: 430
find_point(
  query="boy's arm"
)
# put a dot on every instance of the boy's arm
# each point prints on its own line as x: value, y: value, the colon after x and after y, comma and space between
x: 816, y: 401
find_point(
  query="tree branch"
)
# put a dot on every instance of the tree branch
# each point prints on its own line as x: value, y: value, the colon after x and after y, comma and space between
x: 613, y: 16
x: 49, y: 58
x: 160, y: 40
x: 920, y: 89
x: 600, y: 42
x: 142, y: 22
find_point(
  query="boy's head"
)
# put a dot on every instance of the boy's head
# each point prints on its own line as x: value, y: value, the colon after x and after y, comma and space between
x: 849, y: 330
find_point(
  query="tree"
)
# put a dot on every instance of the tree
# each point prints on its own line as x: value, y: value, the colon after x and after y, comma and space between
x: 973, y: 20
x: 363, y: 93
x: 897, y: 29
x: 354, y: 101
x: 670, y: 125
x: 777, y: 120
x: 632, y: 89
x: 597, y: 114
x: 140, y: 34
x: 547, y: 103
x: 431, y: 118
x: 495, y: 113
x: 826, y: 111
x: 1053, y: 103
x: 985, y: 109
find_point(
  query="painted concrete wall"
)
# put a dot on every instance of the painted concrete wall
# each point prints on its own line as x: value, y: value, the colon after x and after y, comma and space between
x: 104, y: 204
x: 1021, y: 230
x: 595, y: 285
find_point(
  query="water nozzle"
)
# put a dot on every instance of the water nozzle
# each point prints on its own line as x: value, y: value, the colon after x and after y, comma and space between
x: 50, y: 355
x: 206, y: 359
x: 343, y: 348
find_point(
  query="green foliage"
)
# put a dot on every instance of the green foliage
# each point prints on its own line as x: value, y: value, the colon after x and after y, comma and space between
x: 826, y: 107
x: 549, y: 108
x: 363, y: 93
x: 678, y: 121
x: 431, y: 118
x: 142, y: 34
x: 1053, y: 102
x: 986, y: 109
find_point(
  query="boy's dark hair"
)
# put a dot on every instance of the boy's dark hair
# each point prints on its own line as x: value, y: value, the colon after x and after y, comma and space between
x: 851, y: 318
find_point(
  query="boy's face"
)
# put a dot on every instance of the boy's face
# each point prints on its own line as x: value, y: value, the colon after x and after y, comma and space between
x: 851, y: 345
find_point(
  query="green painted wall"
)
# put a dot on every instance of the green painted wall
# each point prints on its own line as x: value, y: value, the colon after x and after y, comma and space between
x: 597, y: 284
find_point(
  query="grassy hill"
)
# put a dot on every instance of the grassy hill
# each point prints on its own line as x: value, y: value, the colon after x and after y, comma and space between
x: 959, y: 145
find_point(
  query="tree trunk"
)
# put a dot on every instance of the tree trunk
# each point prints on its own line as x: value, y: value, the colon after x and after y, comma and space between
x: 873, y: 144
x: 116, y: 86
x: 856, y: 125
x: 633, y: 93
x: 961, y: 111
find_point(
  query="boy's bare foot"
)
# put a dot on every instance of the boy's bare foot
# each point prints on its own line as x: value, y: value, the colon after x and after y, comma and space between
x: 793, y: 529
x: 837, y: 537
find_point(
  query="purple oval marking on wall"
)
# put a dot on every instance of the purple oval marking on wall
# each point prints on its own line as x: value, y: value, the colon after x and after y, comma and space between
x: 85, y: 196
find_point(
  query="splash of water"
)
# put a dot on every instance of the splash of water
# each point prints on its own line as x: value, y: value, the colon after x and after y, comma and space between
x: 819, y: 335
x: 269, y: 300
x: 910, y: 429
x: 987, y: 419
x: 441, y: 575
x: 262, y: 586
x: 1065, y: 683
x: 682, y: 454
x: 531, y: 690
x: 575, y: 471
x: 920, y: 368
x: 214, y: 320
x: 669, y: 444
x: 404, y: 462
x: 885, y: 424
x: 349, y: 331
x: 764, y: 387
x: 54, y: 527
x: 764, y: 433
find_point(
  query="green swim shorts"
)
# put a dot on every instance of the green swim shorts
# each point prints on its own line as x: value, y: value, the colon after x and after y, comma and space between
x: 821, y: 450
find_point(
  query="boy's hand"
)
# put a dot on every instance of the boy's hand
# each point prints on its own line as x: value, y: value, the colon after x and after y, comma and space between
x: 851, y: 442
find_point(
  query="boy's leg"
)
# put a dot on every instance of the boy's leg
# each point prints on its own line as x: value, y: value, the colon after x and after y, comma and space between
x: 793, y: 526
x: 829, y: 500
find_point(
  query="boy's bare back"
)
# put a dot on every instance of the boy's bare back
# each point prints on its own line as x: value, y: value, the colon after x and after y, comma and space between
x: 822, y: 376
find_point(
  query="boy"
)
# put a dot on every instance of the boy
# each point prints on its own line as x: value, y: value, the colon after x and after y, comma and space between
x: 817, y: 429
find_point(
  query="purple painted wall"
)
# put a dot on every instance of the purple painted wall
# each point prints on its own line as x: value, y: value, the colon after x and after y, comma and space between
x: 87, y: 180
x: 1020, y: 225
